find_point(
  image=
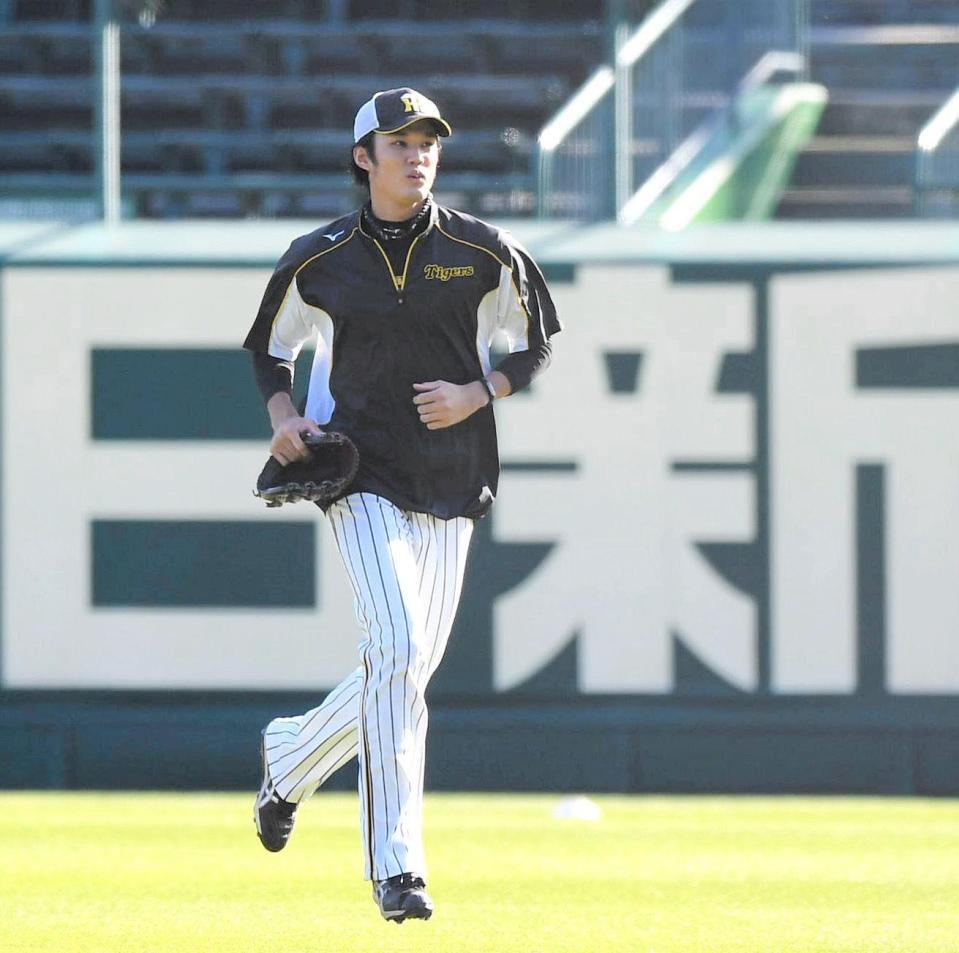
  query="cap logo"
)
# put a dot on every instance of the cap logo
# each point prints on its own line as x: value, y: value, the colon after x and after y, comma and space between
x: 412, y: 102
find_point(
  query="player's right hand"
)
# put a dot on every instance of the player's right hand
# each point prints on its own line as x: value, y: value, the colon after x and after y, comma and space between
x: 287, y: 445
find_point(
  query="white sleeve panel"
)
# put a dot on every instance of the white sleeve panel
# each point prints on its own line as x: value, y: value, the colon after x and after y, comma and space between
x: 512, y: 316
x: 487, y: 323
x: 319, y: 400
x: 292, y: 326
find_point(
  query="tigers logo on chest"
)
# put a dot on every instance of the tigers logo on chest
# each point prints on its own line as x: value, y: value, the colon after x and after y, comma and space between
x: 444, y: 274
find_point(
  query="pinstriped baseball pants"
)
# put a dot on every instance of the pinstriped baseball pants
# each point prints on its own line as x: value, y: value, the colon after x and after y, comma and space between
x: 406, y: 570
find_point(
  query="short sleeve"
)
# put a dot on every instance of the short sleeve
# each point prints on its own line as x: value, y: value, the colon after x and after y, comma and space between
x: 281, y: 326
x: 526, y: 311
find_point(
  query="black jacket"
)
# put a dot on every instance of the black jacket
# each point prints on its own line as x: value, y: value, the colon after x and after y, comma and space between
x: 379, y: 332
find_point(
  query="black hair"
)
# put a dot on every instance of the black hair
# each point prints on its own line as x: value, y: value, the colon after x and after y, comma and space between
x: 360, y: 176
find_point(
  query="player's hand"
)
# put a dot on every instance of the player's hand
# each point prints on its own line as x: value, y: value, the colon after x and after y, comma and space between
x: 286, y: 444
x: 442, y: 404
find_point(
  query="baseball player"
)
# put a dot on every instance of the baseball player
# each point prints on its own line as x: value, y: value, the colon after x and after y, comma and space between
x: 404, y: 298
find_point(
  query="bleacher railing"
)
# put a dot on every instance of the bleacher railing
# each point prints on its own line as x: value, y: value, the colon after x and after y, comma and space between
x: 107, y: 109
x: 937, y: 163
x: 682, y: 64
x: 575, y: 156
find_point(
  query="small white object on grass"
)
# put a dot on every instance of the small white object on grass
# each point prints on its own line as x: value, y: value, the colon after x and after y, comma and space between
x: 577, y: 809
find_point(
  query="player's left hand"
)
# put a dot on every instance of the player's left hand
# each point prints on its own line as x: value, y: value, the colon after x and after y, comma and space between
x: 442, y: 404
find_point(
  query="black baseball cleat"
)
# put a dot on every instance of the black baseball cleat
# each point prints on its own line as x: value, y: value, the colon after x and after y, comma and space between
x: 403, y: 897
x: 272, y: 815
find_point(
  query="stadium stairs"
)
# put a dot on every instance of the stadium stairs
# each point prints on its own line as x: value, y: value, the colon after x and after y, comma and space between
x: 251, y: 117
x: 888, y: 66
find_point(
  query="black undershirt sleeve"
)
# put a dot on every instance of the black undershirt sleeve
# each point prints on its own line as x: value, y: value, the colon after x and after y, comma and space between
x: 523, y: 367
x: 272, y: 375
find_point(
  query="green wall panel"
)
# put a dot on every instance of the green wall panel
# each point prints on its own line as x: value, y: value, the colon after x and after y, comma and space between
x: 919, y: 366
x: 203, y: 563
x: 198, y: 741
x: 178, y: 394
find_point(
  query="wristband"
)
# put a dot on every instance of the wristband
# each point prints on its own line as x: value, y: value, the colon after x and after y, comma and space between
x: 488, y: 384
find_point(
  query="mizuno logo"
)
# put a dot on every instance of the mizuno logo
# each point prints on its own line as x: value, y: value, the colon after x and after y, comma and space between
x: 444, y: 274
x: 332, y: 236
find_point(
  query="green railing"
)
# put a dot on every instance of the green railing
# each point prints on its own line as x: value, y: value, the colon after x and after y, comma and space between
x: 679, y: 67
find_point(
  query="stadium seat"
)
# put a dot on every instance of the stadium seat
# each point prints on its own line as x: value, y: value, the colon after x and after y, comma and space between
x: 61, y: 11
x: 26, y: 152
x: 232, y: 11
x: 570, y: 52
x: 257, y: 99
x: 326, y: 52
x: 166, y: 52
x: 45, y: 103
x: 450, y: 51
x: 48, y: 49
x: 888, y: 65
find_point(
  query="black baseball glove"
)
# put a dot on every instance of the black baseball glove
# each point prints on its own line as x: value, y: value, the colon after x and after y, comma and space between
x: 320, y: 478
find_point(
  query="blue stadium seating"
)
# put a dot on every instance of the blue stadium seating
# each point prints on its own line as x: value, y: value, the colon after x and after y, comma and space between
x: 213, y: 105
x: 888, y: 65
x: 246, y: 106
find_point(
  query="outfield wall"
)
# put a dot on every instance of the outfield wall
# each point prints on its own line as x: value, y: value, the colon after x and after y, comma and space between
x: 722, y: 558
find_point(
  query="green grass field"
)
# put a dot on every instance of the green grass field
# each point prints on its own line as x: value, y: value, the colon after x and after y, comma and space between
x: 185, y: 873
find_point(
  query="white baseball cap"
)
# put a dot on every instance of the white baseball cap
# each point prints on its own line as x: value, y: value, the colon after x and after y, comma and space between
x: 394, y: 109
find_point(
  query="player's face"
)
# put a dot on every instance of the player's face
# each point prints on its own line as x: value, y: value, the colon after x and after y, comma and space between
x: 402, y: 169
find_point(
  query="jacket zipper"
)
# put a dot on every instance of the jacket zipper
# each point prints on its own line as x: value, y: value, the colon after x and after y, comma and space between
x: 399, y: 281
